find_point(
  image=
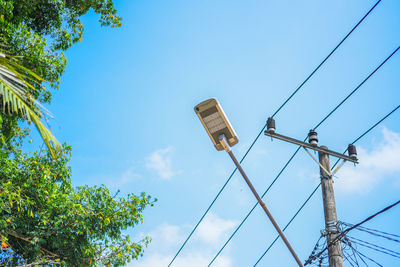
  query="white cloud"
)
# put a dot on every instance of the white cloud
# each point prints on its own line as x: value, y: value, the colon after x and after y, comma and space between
x: 125, y: 178
x: 167, y: 239
x: 376, y: 165
x: 160, y: 162
x: 191, y: 259
x: 213, y: 229
x: 117, y: 180
x: 166, y: 235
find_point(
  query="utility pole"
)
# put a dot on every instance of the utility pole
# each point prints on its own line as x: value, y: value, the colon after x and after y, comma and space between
x: 328, y: 197
x: 331, y: 224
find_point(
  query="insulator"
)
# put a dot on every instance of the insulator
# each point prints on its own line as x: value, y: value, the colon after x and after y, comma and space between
x: 313, y: 138
x: 352, y: 151
x: 271, y: 125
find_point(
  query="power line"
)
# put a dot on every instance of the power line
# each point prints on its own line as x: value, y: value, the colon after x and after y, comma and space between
x: 297, y: 150
x: 313, y: 192
x: 360, y: 255
x: 374, y: 232
x: 265, y: 125
x: 346, y: 255
x: 343, y: 233
x: 312, y: 73
x: 369, y: 76
x: 375, y: 247
x: 355, y: 252
x: 373, y: 126
x: 216, y: 197
x: 287, y: 225
x: 248, y: 214
x: 369, y: 218
x: 354, y: 255
x: 263, y: 128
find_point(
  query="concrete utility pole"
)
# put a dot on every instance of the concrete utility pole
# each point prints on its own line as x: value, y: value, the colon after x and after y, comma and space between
x: 328, y: 196
x: 331, y: 224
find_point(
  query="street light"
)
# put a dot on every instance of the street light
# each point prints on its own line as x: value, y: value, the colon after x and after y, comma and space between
x: 223, y: 137
x: 213, y: 118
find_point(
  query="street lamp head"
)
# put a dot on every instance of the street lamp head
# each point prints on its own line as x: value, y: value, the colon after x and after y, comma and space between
x: 216, y: 123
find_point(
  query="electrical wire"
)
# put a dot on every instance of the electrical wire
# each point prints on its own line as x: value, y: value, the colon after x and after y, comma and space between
x: 354, y: 255
x: 343, y: 233
x: 360, y: 255
x: 315, y: 189
x: 375, y: 232
x: 355, y: 252
x: 349, y: 259
x: 347, y: 245
x: 375, y: 247
x: 347, y: 256
x: 368, y: 219
x: 333, y: 51
x: 297, y: 150
x: 263, y: 128
x: 287, y: 225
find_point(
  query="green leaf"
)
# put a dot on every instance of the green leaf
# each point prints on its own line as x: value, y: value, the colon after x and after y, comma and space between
x: 16, y: 97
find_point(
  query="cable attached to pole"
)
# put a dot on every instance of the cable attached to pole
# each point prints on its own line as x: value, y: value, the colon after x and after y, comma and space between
x: 313, y: 192
x: 263, y: 128
x: 358, y: 224
x: 319, y: 124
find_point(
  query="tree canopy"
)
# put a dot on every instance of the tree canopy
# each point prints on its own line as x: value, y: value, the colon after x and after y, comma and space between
x: 39, y: 30
x: 16, y: 100
x: 44, y: 220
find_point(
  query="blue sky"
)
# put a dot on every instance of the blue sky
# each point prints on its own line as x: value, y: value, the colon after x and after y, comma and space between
x: 126, y: 107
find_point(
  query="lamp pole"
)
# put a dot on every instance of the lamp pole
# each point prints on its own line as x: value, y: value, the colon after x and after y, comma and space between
x: 224, y: 137
x: 253, y: 190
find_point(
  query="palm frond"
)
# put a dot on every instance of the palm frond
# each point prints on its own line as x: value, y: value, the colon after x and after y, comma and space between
x: 15, y: 81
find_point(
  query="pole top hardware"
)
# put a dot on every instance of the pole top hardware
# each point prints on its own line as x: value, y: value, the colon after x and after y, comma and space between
x: 313, y: 138
x: 314, y: 146
x: 271, y: 125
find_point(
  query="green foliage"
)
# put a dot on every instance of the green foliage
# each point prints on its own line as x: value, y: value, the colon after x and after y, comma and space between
x: 16, y: 99
x: 37, y: 30
x: 44, y: 220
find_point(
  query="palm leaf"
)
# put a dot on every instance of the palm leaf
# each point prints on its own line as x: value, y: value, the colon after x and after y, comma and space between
x: 15, y: 80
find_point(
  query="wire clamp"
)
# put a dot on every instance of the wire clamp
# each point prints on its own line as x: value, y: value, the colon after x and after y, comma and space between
x: 332, y: 228
x: 326, y: 176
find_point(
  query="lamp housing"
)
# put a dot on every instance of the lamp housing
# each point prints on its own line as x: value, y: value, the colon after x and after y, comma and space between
x: 214, y: 120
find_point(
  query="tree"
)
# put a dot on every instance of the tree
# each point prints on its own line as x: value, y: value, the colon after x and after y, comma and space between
x: 15, y: 99
x: 44, y: 220
x: 37, y: 31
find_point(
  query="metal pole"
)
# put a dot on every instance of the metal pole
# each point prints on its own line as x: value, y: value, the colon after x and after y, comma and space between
x: 227, y: 149
x: 328, y: 197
